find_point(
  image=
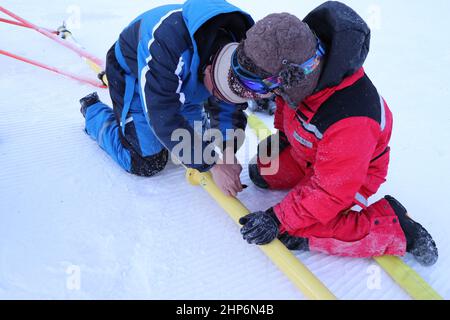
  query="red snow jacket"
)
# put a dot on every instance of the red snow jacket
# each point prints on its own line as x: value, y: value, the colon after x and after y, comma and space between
x: 340, y: 135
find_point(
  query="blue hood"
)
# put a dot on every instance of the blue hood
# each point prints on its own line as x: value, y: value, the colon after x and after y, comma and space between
x: 198, y: 12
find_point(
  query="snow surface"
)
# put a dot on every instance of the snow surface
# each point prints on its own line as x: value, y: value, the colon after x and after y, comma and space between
x: 66, y: 207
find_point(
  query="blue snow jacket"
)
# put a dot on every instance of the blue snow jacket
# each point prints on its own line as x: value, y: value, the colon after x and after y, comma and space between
x: 159, y: 55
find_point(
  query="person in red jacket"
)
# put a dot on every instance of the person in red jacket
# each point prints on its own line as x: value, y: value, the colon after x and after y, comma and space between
x: 334, y: 130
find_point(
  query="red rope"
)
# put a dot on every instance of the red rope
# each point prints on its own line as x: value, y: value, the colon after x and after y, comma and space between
x: 24, y: 26
x: 53, y: 69
x: 54, y: 37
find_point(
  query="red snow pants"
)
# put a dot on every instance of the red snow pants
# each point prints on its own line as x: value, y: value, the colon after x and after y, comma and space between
x: 374, y: 231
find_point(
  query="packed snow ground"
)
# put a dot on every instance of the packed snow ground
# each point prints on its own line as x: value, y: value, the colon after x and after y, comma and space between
x: 73, y: 225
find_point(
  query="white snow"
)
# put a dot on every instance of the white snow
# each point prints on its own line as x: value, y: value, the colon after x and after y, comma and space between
x: 66, y: 209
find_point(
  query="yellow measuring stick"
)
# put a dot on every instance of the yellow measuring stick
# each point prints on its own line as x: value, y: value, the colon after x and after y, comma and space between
x: 289, y: 264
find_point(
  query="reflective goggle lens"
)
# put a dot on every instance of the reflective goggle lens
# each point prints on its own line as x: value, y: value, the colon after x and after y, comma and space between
x: 253, y: 82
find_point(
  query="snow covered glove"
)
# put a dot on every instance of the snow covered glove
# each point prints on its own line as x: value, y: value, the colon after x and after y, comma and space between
x: 260, y: 228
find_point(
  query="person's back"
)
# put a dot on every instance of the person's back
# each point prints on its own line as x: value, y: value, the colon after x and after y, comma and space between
x: 155, y: 72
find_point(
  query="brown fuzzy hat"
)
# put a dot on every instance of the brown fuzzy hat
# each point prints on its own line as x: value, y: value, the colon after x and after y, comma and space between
x: 272, y: 44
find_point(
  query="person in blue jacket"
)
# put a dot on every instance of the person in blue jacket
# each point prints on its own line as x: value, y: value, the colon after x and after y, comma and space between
x: 162, y: 69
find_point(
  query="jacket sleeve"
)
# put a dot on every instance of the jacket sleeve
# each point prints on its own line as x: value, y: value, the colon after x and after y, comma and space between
x: 229, y: 119
x: 340, y: 169
x: 160, y: 84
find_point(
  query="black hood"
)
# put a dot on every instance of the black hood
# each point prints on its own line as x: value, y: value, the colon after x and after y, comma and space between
x: 346, y: 37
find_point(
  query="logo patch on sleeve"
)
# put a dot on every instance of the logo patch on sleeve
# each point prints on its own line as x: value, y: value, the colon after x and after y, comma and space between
x: 302, y: 140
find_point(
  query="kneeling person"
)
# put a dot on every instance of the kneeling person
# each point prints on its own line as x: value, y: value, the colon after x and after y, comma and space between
x: 165, y: 64
x: 334, y: 132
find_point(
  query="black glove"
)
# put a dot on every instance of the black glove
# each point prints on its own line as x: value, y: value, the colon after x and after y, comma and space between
x: 260, y: 228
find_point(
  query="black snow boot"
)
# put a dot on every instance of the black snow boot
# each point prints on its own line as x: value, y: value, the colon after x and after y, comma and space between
x: 294, y: 243
x: 88, y: 101
x: 418, y: 241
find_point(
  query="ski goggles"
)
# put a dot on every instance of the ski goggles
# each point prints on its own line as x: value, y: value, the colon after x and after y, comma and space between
x: 259, y: 85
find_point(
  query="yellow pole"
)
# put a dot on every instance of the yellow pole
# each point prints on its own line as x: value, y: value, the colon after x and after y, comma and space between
x: 93, y: 65
x: 97, y: 69
x: 258, y: 127
x: 400, y: 272
x: 407, y: 278
x: 297, y: 272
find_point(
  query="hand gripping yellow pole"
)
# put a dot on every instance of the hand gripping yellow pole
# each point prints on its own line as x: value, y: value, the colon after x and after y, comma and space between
x: 302, y: 278
x: 400, y: 272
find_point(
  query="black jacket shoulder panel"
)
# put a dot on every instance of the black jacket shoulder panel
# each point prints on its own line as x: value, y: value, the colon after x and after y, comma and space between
x: 359, y: 100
